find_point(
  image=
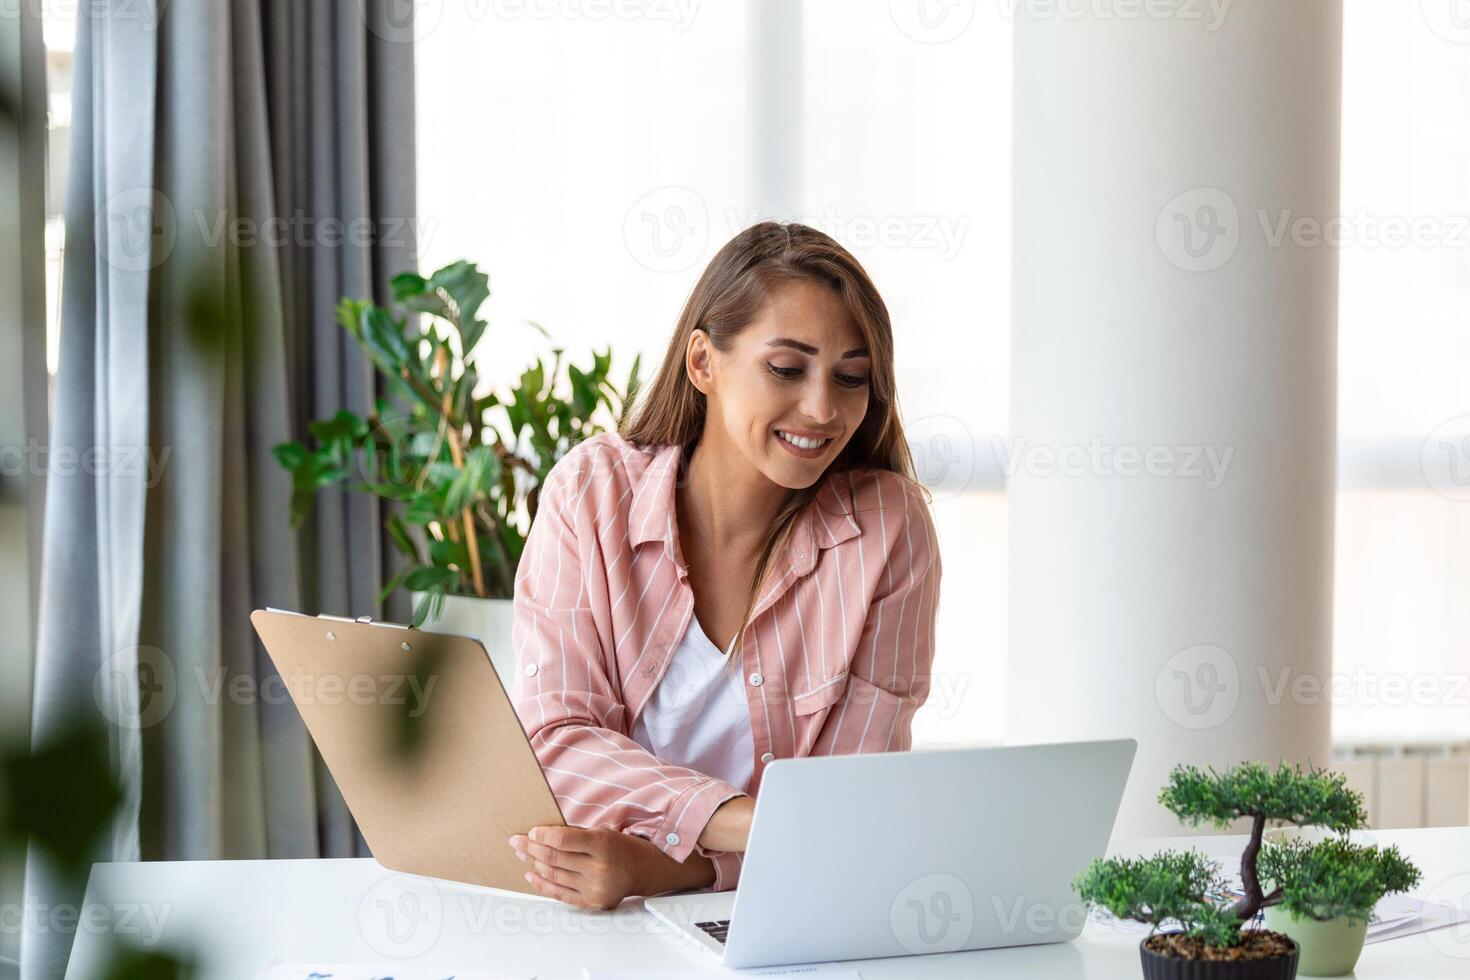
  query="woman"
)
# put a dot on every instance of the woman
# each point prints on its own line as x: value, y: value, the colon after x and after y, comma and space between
x: 746, y: 572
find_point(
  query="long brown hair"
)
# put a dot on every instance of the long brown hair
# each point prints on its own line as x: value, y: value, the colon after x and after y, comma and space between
x: 730, y: 294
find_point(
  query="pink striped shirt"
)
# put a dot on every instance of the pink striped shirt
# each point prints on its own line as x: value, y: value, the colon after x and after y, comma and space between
x: 836, y: 660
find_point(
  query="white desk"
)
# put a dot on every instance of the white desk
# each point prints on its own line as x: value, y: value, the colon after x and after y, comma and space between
x: 238, y: 916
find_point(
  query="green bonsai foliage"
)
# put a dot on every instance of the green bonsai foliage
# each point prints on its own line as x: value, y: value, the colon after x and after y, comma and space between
x: 1323, y: 880
x: 1335, y: 878
x: 463, y: 466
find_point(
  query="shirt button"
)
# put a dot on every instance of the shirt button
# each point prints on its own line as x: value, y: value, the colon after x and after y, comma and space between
x: 767, y: 759
x: 756, y: 679
x: 530, y: 670
x: 673, y: 840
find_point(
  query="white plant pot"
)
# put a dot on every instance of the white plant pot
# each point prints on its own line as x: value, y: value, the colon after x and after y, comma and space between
x: 488, y: 620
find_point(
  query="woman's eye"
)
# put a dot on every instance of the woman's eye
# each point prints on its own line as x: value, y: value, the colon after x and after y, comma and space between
x: 846, y: 380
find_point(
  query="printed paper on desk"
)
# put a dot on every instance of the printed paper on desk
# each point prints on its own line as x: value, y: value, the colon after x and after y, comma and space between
x: 377, y: 971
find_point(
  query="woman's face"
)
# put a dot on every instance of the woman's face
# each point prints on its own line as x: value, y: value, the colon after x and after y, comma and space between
x: 799, y: 370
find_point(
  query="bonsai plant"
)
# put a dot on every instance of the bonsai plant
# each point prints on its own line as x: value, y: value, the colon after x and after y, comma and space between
x: 1321, y: 881
x: 461, y: 466
x: 1328, y: 894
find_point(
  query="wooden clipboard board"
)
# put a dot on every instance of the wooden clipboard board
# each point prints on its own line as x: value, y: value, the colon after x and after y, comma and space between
x: 422, y: 739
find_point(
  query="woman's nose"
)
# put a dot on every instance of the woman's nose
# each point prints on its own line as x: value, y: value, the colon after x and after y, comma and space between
x: 819, y: 405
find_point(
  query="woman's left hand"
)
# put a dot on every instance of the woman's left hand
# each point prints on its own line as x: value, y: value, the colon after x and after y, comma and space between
x: 596, y: 868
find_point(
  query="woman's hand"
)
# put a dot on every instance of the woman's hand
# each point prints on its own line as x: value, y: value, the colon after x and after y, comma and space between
x: 596, y: 868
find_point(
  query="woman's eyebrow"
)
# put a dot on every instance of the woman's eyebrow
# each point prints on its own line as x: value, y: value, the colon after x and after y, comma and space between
x: 809, y: 349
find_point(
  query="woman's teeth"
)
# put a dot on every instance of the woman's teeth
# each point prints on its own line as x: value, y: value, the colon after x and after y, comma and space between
x: 801, y: 443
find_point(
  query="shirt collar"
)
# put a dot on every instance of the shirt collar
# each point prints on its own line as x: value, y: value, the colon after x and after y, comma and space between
x: 828, y: 522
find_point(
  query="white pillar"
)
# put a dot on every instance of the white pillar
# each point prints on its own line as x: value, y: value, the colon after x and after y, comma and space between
x: 1155, y: 593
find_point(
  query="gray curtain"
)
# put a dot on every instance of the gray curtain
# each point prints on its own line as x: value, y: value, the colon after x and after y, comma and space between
x: 196, y: 333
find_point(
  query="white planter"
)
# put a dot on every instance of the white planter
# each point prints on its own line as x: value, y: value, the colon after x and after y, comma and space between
x: 488, y: 620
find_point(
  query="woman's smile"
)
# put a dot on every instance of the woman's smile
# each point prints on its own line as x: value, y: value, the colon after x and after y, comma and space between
x: 803, y: 447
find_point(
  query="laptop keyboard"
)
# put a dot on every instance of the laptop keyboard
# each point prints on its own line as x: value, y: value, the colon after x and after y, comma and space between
x: 716, y: 929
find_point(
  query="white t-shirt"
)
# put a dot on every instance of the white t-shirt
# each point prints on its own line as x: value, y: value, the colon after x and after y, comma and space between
x: 697, y: 716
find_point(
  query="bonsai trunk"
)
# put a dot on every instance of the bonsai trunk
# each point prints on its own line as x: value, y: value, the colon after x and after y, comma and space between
x: 1250, y: 883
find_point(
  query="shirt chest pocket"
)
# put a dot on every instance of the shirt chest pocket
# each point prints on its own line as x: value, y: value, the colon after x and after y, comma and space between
x: 868, y: 723
x: 818, y: 693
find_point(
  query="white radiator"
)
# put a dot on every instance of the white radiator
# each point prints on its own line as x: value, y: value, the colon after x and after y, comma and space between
x: 1409, y: 783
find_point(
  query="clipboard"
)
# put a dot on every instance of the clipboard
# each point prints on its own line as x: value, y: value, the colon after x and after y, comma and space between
x: 422, y: 739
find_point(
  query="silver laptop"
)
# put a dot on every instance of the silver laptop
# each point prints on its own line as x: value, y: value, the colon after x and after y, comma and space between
x: 892, y: 854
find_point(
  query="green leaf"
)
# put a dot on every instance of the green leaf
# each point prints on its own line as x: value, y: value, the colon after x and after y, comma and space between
x: 429, y: 606
x: 407, y: 285
x: 291, y: 455
x: 427, y: 577
x: 1334, y: 878
x: 1286, y: 794
x: 383, y: 337
x: 402, y: 540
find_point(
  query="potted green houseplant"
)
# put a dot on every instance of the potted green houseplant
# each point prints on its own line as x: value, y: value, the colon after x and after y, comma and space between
x: 1328, y: 892
x: 460, y: 464
x: 1324, y: 880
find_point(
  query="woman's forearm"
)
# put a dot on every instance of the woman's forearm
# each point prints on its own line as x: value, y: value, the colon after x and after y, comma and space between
x: 729, y: 826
